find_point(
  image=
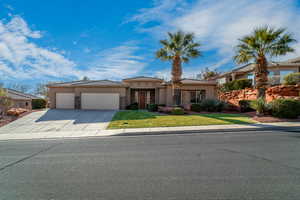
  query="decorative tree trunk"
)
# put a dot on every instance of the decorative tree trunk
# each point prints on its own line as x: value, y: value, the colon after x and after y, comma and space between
x: 261, y: 76
x: 176, y: 80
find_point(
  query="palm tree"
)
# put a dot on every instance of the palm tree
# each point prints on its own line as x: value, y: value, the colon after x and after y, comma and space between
x: 262, y: 43
x: 178, y: 49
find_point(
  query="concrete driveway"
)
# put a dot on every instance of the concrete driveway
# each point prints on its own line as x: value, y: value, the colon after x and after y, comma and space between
x: 60, y: 122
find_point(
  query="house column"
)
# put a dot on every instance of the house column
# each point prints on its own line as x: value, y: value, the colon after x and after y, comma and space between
x: 157, y: 95
x: 233, y: 76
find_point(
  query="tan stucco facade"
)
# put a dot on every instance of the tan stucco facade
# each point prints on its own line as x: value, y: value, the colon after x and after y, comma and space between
x: 161, y: 91
x: 22, y: 103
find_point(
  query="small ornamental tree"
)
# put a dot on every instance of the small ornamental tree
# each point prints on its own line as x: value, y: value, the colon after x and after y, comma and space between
x: 5, y: 101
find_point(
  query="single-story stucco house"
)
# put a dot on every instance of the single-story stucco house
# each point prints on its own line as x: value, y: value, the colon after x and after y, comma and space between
x: 277, y: 71
x: 20, y: 99
x: 106, y: 94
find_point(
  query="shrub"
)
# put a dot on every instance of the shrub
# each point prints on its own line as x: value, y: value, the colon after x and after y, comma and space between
x: 260, y: 105
x: 209, y: 105
x: 237, y: 85
x: 292, y: 79
x: 220, y: 106
x: 39, y: 103
x: 212, y: 105
x: 177, y: 111
x: 152, y: 107
x: 253, y: 104
x: 196, y: 107
x: 133, y: 106
x: 242, y: 84
x: 245, y: 105
x: 285, y: 108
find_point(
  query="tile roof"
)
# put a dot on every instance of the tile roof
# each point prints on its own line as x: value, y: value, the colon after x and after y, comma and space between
x: 142, y: 78
x: 87, y: 83
x: 196, y: 81
x: 14, y: 94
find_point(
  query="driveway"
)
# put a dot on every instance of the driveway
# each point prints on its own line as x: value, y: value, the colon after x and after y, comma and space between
x: 60, y: 121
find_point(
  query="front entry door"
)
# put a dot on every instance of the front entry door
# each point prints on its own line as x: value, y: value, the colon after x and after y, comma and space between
x: 142, y: 99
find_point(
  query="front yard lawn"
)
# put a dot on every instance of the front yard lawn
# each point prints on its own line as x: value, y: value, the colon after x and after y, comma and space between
x: 144, y: 119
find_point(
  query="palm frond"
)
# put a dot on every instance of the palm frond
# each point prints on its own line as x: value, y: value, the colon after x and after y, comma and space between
x: 263, y: 41
x: 179, y: 43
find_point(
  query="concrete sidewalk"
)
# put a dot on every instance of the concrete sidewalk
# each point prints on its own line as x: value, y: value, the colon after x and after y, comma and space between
x: 219, y: 129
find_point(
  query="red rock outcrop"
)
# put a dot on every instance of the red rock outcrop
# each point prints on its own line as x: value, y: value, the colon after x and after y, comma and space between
x: 276, y: 92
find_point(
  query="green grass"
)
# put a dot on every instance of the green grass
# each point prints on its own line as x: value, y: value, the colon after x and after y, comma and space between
x: 144, y: 119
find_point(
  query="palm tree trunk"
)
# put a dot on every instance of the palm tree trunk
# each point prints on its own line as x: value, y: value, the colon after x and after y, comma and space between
x: 261, y: 76
x: 261, y: 79
x: 176, y: 80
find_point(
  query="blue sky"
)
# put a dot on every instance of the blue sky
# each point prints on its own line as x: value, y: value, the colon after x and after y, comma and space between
x: 62, y: 40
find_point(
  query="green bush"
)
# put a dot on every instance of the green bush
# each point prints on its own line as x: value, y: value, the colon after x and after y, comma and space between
x: 133, y: 106
x: 212, y: 105
x: 245, y: 105
x: 177, y: 111
x: 39, y: 103
x: 260, y: 105
x: 196, y: 107
x: 285, y: 108
x: 292, y: 79
x: 236, y: 85
x: 209, y: 105
x: 152, y: 107
x: 220, y: 106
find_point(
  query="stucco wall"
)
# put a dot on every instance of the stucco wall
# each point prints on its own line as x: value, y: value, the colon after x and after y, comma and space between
x: 163, y: 94
x: 143, y: 84
x: 210, y: 93
x: 22, y: 104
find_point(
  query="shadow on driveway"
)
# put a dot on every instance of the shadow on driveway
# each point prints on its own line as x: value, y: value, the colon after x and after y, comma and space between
x: 77, y: 116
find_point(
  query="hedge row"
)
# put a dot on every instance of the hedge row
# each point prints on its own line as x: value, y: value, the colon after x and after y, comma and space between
x: 39, y: 103
x: 282, y: 108
x: 209, y: 105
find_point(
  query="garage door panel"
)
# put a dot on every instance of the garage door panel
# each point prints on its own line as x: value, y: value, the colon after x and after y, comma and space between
x: 65, y: 100
x: 100, y: 101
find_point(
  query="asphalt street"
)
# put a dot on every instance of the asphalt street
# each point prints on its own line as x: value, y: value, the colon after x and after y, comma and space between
x: 242, y: 165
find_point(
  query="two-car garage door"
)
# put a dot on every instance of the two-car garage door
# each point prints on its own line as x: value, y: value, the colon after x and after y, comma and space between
x: 91, y: 101
x: 101, y: 101
x: 65, y: 100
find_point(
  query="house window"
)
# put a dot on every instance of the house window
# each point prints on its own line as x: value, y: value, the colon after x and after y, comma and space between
x: 197, y: 96
x: 273, y: 79
x: 221, y: 81
x: 251, y: 77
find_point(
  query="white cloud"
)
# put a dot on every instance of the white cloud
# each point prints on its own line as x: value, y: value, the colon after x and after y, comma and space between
x: 218, y: 24
x: 20, y: 58
x: 159, y: 12
x: 116, y: 63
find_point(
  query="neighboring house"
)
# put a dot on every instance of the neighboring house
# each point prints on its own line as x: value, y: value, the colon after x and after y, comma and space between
x: 20, y: 99
x: 277, y: 71
x: 106, y: 94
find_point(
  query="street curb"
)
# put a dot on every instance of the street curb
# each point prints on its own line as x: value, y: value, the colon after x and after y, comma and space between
x: 219, y: 131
